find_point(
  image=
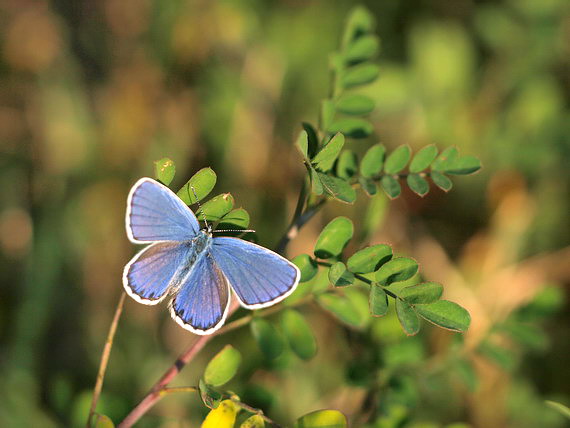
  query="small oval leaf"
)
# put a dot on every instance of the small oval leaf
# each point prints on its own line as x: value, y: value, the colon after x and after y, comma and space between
x: 445, y: 159
x: 322, y: 419
x: 369, y: 259
x: 347, y: 164
x: 368, y: 185
x: 268, y: 338
x: 307, y: 266
x: 316, y: 185
x: 338, y: 188
x: 101, y: 421
x: 398, y: 159
x: 210, y: 397
x: 426, y: 292
x: 223, y: 367
x: 355, y: 104
x: 441, y: 181
x: 235, y: 219
x: 351, y: 127
x: 299, y: 334
x: 423, y: 158
x: 255, y: 421
x: 407, y: 317
x: 303, y: 144
x: 326, y: 157
x: 164, y: 170
x: 418, y: 184
x: 362, y: 49
x: 445, y: 314
x: 203, y: 182
x: 334, y: 238
x: 464, y: 165
x: 360, y: 75
x: 378, y: 301
x: 216, y: 208
x: 391, y: 186
x: 397, y: 270
x: 373, y: 161
x: 339, y: 276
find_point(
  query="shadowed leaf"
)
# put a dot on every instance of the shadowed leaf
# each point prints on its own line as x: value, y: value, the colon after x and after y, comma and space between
x: 334, y: 238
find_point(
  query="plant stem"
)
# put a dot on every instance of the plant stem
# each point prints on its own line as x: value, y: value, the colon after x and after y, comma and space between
x: 105, y: 358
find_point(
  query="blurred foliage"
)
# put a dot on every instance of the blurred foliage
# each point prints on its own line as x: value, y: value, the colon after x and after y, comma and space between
x: 92, y: 93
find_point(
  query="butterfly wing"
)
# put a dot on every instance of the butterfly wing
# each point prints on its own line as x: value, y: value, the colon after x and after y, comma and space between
x: 202, y: 302
x: 258, y: 276
x: 155, y: 213
x: 149, y: 275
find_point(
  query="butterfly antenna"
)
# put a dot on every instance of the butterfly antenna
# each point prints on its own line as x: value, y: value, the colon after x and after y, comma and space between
x: 234, y: 230
x: 200, y: 207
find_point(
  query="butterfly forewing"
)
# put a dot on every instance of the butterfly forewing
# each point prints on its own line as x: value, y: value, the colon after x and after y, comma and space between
x: 155, y: 213
x: 258, y: 276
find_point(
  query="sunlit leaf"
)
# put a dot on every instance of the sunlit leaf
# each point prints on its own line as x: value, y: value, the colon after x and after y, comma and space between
x: 378, y: 301
x: 423, y: 158
x: 397, y: 160
x: 316, y: 185
x: 373, y: 161
x: 355, y: 104
x: 407, y: 317
x: 441, y: 181
x: 326, y: 157
x: 334, y: 238
x: 426, y: 292
x: 396, y: 270
x: 102, y: 421
x: 322, y: 419
x: 337, y: 188
x: 464, y: 165
x: 445, y: 159
x: 347, y: 164
x: 360, y: 22
x: 235, y: 219
x: 339, y: 276
x: 303, y: 144
x: 360, y: 75
x: 223, y: 416
x: 268, y: 338
x: 299, y: 334
x: 351, y: 127
x: 369, y: 259
x: 362, y: 49
x: 216, y: 208
x: 202, y: 182
x: 445, y: 314
x: 418, y: 184
x: 307, y: 266
x: 391, y: 186
x: 327, y: 113
x: 164, y: 170
x: 223, y: 367
x: 255, y: 421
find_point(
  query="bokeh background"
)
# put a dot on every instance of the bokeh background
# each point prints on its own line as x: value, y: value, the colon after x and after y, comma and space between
x: 92, y: 92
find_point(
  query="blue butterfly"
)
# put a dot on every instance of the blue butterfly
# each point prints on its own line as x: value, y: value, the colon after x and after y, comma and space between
x: 196, y: 269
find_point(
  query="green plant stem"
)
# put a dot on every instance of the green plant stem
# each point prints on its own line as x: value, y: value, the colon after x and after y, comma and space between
x: 363, y: 279
x: 105, y: 358
x: 259, y: 412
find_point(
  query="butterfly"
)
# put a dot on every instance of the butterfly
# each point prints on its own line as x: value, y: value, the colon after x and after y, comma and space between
x: 194, y: 268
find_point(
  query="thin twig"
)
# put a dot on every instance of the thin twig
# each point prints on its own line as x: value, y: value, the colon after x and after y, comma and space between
x: 255, y: 411
x: 105, y: 358
x: 293, y: 230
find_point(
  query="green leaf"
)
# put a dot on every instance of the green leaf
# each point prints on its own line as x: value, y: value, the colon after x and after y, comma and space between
x: 316, y: 185
x: 216, y: 208
x: 368, y: 185
x: 255, y: 421
x: 210, y: 397
x: 360, y: 75
x: 559, y: 407
x: 369, y: 259
x: 398, y: 159
x: 341, y: 307
x: 373, y: 161
x: 303, y: 144
x: 327, y: 113
x: 237, y: 219
x: 397, y: 270
x: 334, y: 238
x: 313, y: 140
x: 307, y: 266
x: 418, y: 184
x: 351, y: 127
x: 164, y: 170
x: 203, y: 182
x: 355, y: 104
x: 378, y: 301
x: 362, y: 49
x: 102, y: 421
x: 445, y: 159
x: 339, y: 276
x: 299, y: 334
x: 337, y: 188
x: 358, y: 298
x: 445, y: 314
x: 322, y: 419
x: 426, y: 292
x: 223, y: 367
x: 464, y: 165
x: 441, y: 181
x: 347, y: 164
x: 324, y: 160
x: 423, y: 158
x: 391, y: 186
x: 268, y: 338
x: 360, y: 22
x: 407, y: 317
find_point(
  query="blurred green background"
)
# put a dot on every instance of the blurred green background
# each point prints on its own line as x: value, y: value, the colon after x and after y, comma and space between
x: 91, y: 93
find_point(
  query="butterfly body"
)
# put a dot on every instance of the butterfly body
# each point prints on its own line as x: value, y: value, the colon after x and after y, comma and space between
x: 194, y: 268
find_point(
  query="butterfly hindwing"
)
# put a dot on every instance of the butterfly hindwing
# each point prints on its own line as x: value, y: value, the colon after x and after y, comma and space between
x: 155, y: 213
x: 148, y: 276
x: 202, y: 302
x: 258, y: 276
